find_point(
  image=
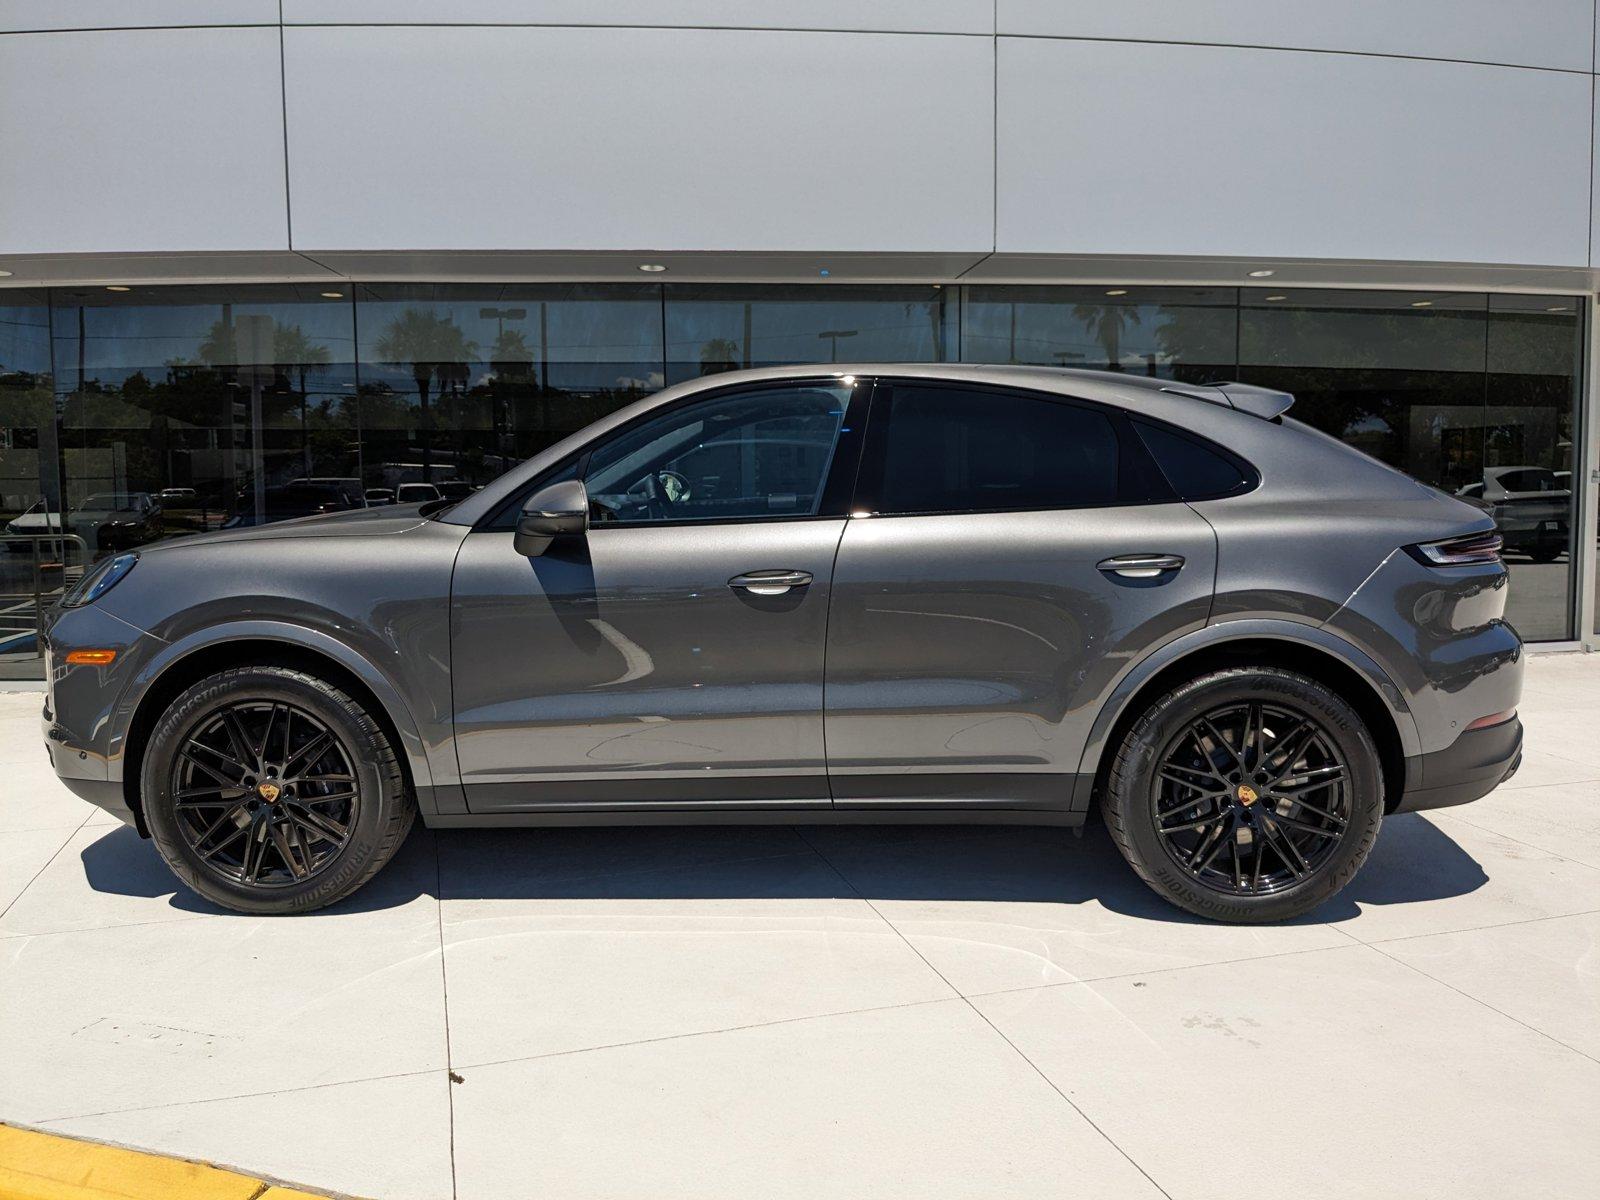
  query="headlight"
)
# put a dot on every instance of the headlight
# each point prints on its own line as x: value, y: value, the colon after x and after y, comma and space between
x: 99, y: 580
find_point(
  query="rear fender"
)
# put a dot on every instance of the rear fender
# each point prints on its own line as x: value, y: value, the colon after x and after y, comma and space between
x: 1116, y: 704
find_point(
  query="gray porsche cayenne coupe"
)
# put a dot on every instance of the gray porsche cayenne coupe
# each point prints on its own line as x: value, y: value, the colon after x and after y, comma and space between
x: 870, y: 593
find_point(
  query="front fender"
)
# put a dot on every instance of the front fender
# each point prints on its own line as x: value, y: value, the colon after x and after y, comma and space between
x: 419, y: 750
x: 1318, y: 638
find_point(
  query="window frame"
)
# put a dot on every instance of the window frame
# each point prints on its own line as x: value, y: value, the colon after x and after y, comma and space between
x: 837, y: 489
x: 869, y: 487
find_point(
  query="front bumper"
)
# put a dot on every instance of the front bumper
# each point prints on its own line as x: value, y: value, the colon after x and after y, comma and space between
x: 84, y: 719
x: 1479, y: 761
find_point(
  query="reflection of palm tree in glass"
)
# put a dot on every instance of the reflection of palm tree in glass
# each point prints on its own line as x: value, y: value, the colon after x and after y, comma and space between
x: 511, y: 360
x: 511, y: 354
x: 216, y: 349
x: 430, y: 345
x: 294, y: 351
x: 718, y: 355
x: 1107, y: 322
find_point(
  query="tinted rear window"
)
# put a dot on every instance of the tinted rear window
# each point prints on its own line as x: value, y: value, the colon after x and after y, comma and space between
x: 959, y: 450
x: 1195, y: 470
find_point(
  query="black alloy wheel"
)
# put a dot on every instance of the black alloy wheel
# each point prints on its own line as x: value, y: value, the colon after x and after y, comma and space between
x: 269, y: 790
x: 265, y: 793
x: 1252, y: 798
x: 1248, y: 794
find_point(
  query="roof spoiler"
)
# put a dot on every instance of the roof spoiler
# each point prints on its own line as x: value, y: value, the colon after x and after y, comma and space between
x: 1261, y: 402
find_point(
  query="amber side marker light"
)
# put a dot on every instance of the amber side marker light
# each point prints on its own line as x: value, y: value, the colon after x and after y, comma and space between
x: 91, y: 658
x: 1499, y: 718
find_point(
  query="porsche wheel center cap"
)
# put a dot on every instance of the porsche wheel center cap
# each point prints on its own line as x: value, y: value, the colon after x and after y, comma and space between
x: 1247, y: 795
x: 269, y: 792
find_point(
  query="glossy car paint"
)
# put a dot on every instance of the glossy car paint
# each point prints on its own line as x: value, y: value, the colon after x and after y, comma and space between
x: 933, y: 663
x: 625, y: 655
x: 967, y: 650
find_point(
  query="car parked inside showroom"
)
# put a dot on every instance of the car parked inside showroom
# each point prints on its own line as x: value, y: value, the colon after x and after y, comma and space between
x: 875, y: 593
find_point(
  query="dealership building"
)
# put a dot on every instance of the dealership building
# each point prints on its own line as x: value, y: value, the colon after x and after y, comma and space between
x: 258, y: 256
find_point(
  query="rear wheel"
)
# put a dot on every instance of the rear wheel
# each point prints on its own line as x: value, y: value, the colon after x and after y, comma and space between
x: 1250, y: 794
x: 268, y: 790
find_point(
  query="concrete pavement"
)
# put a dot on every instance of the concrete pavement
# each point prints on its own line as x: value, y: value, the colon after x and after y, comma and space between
x: 852, y: 1012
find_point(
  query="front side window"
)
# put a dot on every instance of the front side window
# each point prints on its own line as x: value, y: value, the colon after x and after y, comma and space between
x: 739, y: 456
x: 948, y: 449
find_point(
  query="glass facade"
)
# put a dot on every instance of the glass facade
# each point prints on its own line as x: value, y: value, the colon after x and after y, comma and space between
x: 128, y: 415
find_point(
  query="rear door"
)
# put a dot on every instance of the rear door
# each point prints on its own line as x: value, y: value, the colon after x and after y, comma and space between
x: 1009, y: 554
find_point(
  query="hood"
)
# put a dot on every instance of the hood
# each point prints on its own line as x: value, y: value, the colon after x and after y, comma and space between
x: 355, y: 522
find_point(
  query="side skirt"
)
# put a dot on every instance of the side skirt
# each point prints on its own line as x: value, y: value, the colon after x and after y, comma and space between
x: 994, y: 798
x: 760, y: 816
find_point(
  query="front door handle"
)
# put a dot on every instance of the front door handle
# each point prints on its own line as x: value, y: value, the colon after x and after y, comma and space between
x: 1140, y: 566
x: 770, y: 583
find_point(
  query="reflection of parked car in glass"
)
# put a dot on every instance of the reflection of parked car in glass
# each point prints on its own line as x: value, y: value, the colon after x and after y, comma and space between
x: 105, y: 521
x: 1531, y: 505
x: 375, y: 496
x: 455, y: 489
x: 117, y: 520
x: 179, y: 497
x: 350, y: 487
x: 28, y: 525
x: 416, y: 493
x: 291, y: 500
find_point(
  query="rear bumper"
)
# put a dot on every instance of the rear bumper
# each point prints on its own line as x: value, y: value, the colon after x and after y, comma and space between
x: 1479, y: 761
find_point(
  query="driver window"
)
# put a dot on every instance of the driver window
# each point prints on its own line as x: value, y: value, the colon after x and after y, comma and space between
x: 736, y: 456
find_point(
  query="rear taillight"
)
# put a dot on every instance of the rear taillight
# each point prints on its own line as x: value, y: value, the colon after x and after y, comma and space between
x: 1472, y: 550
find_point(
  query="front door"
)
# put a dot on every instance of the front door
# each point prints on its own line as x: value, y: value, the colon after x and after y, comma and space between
x: 673, y: 655
x: 1013, y: 556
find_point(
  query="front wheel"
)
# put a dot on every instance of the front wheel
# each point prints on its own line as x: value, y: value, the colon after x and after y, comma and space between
x: 268, y: 790
x: 1250, y: 794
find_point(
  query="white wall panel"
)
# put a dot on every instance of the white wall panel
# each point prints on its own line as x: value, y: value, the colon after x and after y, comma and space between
x: 1537, y: 33
x: 928, y: 16
x: 1145, y: 149
x: 123, y: 14
x: 166, y: 139
x: 1594, y: 186
x: 504, y: 138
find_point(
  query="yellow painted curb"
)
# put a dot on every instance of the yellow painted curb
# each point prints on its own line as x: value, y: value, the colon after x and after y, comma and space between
x: 46, y: 1166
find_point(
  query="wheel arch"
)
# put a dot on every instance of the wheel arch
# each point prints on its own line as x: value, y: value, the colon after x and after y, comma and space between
x: 1308, y: 650
x: 192, y: 660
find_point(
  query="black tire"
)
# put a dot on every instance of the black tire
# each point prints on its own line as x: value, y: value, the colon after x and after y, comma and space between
x: 1141, y: 781
x: 379, y: 813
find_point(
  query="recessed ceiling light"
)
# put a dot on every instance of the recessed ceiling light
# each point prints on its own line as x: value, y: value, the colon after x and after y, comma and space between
x: 117, y: 287
x: 1277, y: 297
x: 1559, y: 308
x: 1117, y: 292
x: 333, y: 295
x: 5, y: 274
x: 1422, y: 304
x: 1262, y: 274
x: 652, y: 268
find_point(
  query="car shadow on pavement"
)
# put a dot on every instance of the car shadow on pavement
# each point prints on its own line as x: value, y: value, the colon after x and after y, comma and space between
x: 1414, y: 861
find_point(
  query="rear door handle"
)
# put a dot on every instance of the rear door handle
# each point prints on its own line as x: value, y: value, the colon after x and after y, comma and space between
x: 1140, y: 566
x: 770, y: 583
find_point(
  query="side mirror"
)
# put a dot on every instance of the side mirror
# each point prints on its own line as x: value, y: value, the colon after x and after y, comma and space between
x: 551, y: 512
